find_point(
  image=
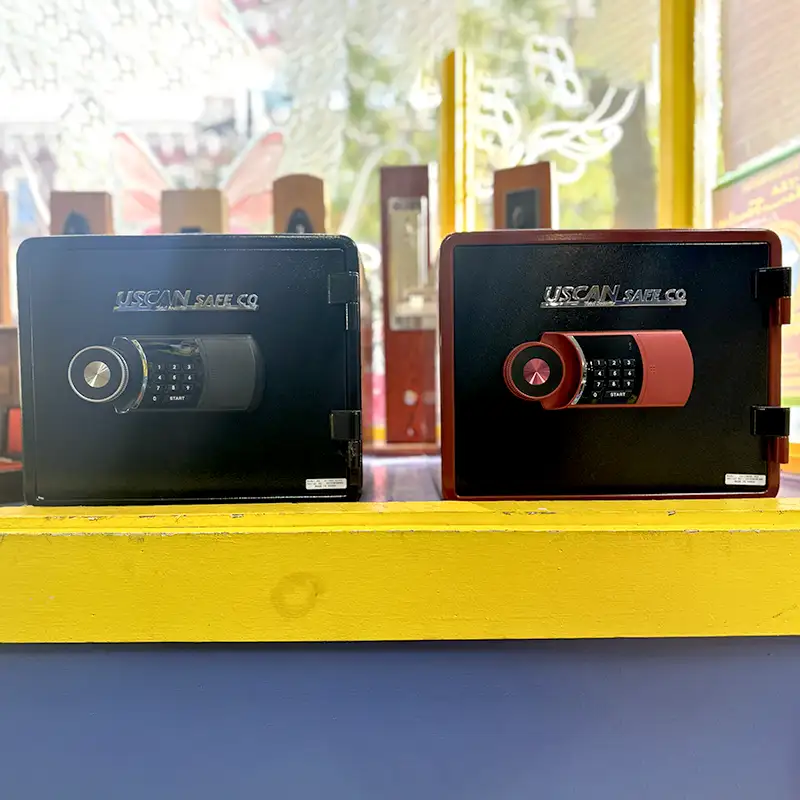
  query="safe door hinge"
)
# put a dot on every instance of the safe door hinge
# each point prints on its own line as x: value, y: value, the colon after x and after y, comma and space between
x: 772, y: 422
x: 773, y: 285
x: 769, y: 421
x: 345, y: 426
x: 343, y: 287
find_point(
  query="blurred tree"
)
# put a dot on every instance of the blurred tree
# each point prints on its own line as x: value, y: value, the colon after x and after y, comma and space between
x: 546, y: 92
x: 387, y: 124
x: 380, y: 130
x: 589, y: 202
x: 632, y: 164
x: 391, y: 105
x: 614, y: 47
x: 495, y: 36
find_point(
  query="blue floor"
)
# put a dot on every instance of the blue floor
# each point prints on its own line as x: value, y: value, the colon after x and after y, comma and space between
x: 615, y: 720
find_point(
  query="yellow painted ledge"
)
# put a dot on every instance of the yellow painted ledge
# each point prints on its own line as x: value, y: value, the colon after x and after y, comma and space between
x: 399, y: 571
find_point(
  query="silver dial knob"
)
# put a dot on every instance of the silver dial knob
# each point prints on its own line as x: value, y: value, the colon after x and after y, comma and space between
x: 98, y: 374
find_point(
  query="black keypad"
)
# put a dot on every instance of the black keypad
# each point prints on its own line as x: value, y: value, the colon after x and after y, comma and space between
x: 596, y: 380
x: 173, y: 384
x: 609, y: 381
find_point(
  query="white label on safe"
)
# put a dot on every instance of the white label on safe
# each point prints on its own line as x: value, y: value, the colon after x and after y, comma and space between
x: 743, y: 479
x: 325, y: 483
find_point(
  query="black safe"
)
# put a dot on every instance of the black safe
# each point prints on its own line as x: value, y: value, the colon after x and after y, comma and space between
x: 190, y: 368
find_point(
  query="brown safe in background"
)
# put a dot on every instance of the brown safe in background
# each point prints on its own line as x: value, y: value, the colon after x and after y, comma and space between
x: 9, y: 366
x: 523, y: 197
x: 6, y: 315
x: 194, y: 211
x: 299, y: 204
x: 410, y: 308
x: 81, y: 213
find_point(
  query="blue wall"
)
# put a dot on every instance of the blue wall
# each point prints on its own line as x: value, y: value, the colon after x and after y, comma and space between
x: 616, y: 720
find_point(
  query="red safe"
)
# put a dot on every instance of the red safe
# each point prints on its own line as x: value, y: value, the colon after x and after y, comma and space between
x: 671, y: 336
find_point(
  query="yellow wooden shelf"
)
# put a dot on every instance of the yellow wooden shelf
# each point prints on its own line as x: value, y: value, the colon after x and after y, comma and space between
x: 399, y: 571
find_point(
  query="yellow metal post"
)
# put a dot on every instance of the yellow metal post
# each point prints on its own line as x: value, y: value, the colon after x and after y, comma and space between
x: 677, y: 114
x: 447, y: 148
x: 456, y: 160
x: 467, y: 90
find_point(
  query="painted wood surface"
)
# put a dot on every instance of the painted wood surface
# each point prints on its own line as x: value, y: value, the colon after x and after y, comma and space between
x: 630, y: 719
x: 400, y: 571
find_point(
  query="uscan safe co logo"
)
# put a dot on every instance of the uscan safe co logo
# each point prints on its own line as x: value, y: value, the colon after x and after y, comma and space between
x: 604, y: 295
x: 183, y: 300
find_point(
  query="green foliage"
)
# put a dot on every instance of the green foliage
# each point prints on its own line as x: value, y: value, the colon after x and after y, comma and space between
x: 589, y: 202
x: 376, y: 121
x: 495, y: 35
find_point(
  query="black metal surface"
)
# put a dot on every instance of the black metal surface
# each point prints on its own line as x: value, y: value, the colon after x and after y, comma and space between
x: 506, y: 446
x: 773, y: 283
x: 770, y: 421
x: 81, y: 452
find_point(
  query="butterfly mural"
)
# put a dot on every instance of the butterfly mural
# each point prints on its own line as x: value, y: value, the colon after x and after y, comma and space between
x: 248, y: 184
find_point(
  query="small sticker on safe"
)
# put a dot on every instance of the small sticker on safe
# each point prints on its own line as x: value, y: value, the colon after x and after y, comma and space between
x: 744, y: 479
x: 313, y: 484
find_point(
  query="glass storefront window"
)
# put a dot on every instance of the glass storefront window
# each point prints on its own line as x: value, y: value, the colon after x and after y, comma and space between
x: 572, y: 83
x: 758, y: 147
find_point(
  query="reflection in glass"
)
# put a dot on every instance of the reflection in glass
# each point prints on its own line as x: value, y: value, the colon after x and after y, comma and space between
x: 412, y: 287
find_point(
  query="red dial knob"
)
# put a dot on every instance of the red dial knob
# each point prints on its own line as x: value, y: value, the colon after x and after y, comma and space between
x: 536, y: 372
